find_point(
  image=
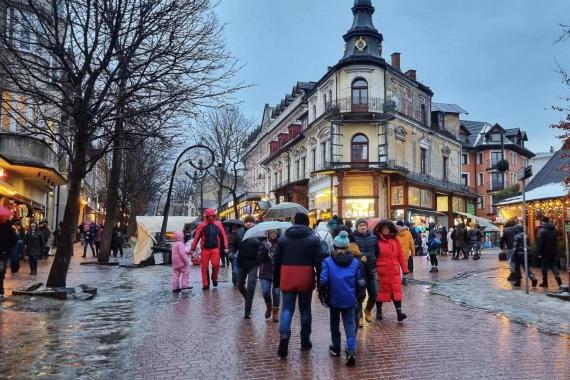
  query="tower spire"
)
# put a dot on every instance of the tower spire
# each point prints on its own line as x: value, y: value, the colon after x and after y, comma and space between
x: 363, y: 40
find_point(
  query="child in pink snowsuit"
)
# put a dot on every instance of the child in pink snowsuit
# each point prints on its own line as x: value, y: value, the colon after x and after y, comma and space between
x: 180, y: 268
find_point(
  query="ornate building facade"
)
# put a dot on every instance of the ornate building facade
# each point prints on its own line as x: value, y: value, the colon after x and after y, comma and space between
x: 361, y: 141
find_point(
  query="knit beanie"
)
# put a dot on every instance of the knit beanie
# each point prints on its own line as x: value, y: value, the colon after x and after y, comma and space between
x: 360, y: 221
x: 301, y: 218
x: 341, y: 241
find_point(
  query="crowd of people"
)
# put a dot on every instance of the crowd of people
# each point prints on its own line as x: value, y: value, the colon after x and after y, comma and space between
x: 91, y: 235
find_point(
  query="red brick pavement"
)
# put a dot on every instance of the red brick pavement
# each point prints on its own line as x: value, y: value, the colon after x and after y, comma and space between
x: 204, y: 336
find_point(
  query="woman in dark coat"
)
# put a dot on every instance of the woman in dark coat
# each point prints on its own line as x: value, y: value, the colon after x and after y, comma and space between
x: 271, y: 293
x: 34, y: 245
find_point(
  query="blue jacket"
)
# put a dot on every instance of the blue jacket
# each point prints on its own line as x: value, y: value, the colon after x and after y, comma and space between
x: 341, y: 274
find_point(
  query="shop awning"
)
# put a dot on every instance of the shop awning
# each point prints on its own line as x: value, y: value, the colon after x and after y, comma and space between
x: 486, y: 224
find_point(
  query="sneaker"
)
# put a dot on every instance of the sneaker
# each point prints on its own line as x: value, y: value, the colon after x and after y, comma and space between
x: 432, y: 270
x: 215, y: 283
x: 534, y: 282
x: 351, y: 359
x: 205, y: 287
x: 361, y: 322
x: 511, y: 277
x: 282, y: 351
x: 306, y: 345
x: 368, y: 316
x: 334, y: 351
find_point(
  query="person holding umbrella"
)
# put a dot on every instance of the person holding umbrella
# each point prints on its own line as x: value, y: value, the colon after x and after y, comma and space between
x: 248, y: 264
x: 7, y: 243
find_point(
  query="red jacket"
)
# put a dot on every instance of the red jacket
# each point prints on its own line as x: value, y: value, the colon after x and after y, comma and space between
x: 388, y: 265
x: 222, y: 238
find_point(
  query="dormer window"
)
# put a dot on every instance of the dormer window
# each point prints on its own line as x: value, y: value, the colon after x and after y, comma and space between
x: 495, y: 137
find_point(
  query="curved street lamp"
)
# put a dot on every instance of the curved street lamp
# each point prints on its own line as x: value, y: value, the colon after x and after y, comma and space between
x: 204, y: 164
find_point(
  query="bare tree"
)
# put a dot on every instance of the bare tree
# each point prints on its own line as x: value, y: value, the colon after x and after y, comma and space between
x: 163, y: 58
x: 225, y: 130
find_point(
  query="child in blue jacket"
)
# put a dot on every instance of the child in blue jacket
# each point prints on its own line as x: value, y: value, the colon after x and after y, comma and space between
x: 341, y: 283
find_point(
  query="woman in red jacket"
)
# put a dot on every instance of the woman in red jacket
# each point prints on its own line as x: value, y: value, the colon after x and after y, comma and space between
x: 388, y: 265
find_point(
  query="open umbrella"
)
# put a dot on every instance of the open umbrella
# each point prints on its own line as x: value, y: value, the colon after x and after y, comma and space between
x: 260, y: 229
x: 230, y: 222
x: 285, y: 210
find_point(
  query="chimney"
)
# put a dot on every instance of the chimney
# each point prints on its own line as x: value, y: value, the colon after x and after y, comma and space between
x: 396, y: 61
x: 411, y: 74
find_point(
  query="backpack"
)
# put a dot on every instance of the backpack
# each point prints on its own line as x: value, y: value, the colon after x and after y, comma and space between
x: 435, y: 243
x: 324, y: 245
x: 210, y: 236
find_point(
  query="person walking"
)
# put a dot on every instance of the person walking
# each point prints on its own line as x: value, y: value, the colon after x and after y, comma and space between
x: 7, y: 244
x: 98, y: 238
x: 460, y: 238
x: 89, y: 231
x: 368, y: 245
x: 407, y: 242
x: 297, y: 265
x: 444, y: 245
x: 341, y: 283
x: 34, y: 245
x: 506, y: 244
x: 248, y: 264
x: 518, y: 256
x: 271, y: 293
x: 476, y: 238
x: 180, y: 264
x: 389, y: 263
x: 433, y: 244
x: 325, y: 235
x: 16, y: 254
x: 547, y: 249
x: 44, y: 229
x: 211, y: 235
x: 117, y: 241
x: 233, y: 253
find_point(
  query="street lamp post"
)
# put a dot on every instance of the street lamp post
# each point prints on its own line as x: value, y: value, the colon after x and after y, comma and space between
x: 203, y: 165
x: 159, y: 199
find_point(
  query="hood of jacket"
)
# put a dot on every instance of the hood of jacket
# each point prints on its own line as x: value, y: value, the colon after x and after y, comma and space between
x: 548, y: 226
x: 343, y: 257
x: 402, y: 229
x: 322, y: 227
x: 517, y: 229
x: 178, y: 236
x: 298, y: 231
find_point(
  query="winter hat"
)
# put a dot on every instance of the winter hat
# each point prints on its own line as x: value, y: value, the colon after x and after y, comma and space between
x: 360, y: 221
x: 301, y: 218
x: 341, y: 241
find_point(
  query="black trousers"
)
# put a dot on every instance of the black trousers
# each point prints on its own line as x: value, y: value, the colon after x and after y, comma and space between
x: 33, y: 261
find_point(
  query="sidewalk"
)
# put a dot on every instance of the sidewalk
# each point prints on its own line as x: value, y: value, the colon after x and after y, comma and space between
x: 136, y: 328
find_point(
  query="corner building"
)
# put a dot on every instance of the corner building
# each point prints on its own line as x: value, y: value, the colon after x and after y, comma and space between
x: 362, y: 141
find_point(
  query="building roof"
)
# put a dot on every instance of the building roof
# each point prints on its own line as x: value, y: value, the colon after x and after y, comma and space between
x: 475, y: 128
x: 447, y: 108
x: 548, y: 191
x: 363, y: 39
x: 477, y: 140
x: 554, y: 171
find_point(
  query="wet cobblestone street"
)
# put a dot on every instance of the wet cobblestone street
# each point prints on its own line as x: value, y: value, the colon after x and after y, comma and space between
x: 135, y: 328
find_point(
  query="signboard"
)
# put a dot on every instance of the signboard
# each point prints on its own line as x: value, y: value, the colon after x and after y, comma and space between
x: 471, y: 208
x: 525, y: 173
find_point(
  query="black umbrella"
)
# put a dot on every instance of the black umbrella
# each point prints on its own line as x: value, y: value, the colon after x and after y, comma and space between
x: 230, y: 222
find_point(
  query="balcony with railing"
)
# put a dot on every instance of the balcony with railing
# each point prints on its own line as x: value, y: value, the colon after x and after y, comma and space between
x: 442, y: 184
x: 361, y: 105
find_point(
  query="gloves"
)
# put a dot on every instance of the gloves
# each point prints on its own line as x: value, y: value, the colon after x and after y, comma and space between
x: 323, y: 295
x: 363, y: 259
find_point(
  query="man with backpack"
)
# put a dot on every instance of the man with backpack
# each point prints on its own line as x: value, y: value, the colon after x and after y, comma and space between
x: 326, y: 238
x: 248, y: 264
x: 212, y: 237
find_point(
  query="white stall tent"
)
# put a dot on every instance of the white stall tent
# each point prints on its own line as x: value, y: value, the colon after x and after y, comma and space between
x: 148, y: 226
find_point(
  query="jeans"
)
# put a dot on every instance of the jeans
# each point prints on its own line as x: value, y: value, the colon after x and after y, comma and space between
x: 510, y: 259
x: 476, y: 247
x: 3, y: 265
x: 288, y: 309
x: 85, y: 244
x: 348, y: 321
x: 371, y: 279
x: 251, y: 275
x: 270, y: 292
x: 235, y: 269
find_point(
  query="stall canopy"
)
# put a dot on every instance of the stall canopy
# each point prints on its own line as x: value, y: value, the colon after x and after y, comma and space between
x: 485, y: 224
x: 148, y: 226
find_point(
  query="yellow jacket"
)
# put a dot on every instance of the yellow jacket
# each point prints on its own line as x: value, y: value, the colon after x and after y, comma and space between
x: 407, y: 242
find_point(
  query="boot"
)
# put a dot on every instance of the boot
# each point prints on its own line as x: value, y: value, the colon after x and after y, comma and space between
x: 379, y: 316
x: 401, y: 316
x: 558, y: 280
x: 368, y: 315
x: 268, y: 310
x: 283, y: 349
x: 276, y: 314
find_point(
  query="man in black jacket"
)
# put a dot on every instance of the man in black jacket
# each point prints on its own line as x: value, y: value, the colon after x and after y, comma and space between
x: 248, y: 264
x: 296, y: 268
x: 7, y: 243
x: 547, y: 249
x: 507, y: 241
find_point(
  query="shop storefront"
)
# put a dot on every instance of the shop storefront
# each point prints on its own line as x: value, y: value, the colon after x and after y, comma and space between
x: 322, y: 201
x: 358, y: 196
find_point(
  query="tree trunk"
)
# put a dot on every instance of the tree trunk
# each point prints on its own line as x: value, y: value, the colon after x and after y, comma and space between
x: 58, y: 272
x: 112, y: 199
x: 234, y: 196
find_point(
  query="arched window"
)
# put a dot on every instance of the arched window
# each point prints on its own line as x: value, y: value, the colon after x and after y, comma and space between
x: 359, y: 95
x: 359, y: 148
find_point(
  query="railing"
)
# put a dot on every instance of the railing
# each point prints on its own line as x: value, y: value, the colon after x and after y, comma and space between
x: 390, y: 165
x: 361, y: 105
x: 442, y: 183
x: 497, y: 187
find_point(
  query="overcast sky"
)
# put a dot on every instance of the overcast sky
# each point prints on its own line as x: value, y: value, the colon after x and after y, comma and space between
x: 496, y: 59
